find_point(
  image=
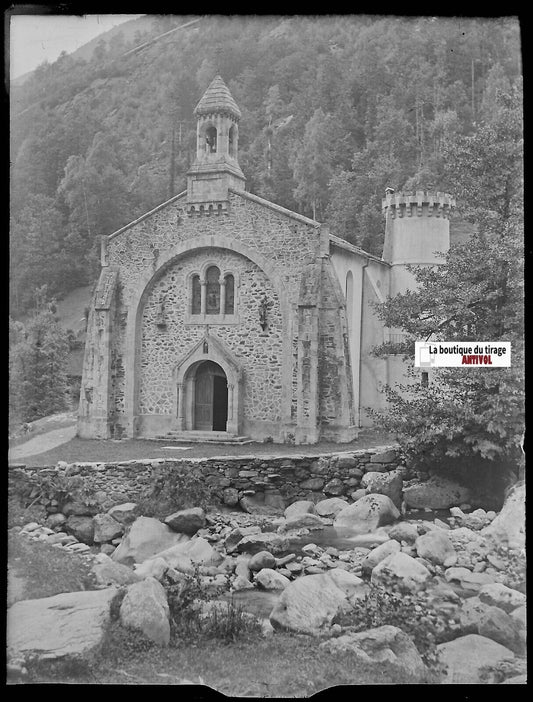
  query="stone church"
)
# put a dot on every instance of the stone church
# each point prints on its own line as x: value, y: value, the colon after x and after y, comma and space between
x: 220, y: 315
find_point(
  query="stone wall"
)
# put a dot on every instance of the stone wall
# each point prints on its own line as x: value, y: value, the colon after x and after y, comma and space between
x: 259, y: 352
x: 266, y: 477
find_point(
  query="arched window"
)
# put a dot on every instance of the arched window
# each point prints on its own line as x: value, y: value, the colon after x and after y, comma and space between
x: 212, y: 294
x: 213, y: 290
x: 211, y: 139
x: 230, y: 294
x: 196, y: 306
x: 233, y: 136
x: 349, y: 298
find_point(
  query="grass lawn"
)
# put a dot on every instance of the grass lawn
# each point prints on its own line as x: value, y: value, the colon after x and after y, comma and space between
x: 128, y: 449
x: 279, y: 665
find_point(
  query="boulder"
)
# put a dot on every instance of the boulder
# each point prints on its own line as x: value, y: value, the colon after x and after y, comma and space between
x: 263, y: 559
x: 55, y: 520
x: 401, y: 572
x: 106, y: 528
x: 330, y: 507
x: 107, y: 572
x: 230, y: 497
x: 69, y: 626
x: 516, y: 680
x: 303, y: 521
x: 145, y: 608
x: 274, y: 499
x: 268, y: 541
x: 312, y: 484
x: 467, y: 579
x: 125, y: 513
x: 378, y: 554
x: 384, y: 644
x: 298, y: 508
x: 519, y: 615
x: 508, y: 527
x: 255, y: 505
x: 145, y: 538
x: 197, y: 551
x: 464, y: 658
x: 389, y: 484
x: 236, y: 535
x: 367, y: 514
x: 436, y: 547
x: 502, y: 596
x: 357, y: 494
x: 80, y: 527
x: 241, y: 583
x: 153, y: 568
x: 187, y: 521
x: 270, y: 579
x: 436, y: 493
x: 312, y: 602
x: 470, y: 614
x: 499, y: 626
x: 334, y: 487
x: 78, y: 509
x: 404, y: 531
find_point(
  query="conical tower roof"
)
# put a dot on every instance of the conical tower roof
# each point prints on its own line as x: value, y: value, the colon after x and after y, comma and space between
x: 217, y: 98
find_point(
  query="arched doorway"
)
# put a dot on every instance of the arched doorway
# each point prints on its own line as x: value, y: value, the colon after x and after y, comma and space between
x: 210, y: 397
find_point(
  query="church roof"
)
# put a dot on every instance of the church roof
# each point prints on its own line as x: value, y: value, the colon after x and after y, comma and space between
x: 217, y: 98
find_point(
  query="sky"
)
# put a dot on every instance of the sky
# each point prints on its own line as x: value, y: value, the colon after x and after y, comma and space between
x: 37, y: 38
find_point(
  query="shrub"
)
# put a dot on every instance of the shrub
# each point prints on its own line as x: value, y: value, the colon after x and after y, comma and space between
x: 45, y: 487
x: 174, y: 489
x: 190, y: 621
x: 411, y: 613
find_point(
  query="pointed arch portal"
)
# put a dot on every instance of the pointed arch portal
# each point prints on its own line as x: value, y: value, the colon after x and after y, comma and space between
x: 208, y: 388
x: 210, y: 397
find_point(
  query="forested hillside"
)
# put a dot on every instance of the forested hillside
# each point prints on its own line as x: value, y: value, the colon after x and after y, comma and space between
x: 333, y: 111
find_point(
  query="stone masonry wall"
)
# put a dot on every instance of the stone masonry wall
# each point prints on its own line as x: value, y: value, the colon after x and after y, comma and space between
x: 293, y: 477
x: 286, y: 243
x: 259, y: 352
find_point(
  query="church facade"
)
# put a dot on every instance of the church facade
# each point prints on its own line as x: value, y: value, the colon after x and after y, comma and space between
x: 220, y: 315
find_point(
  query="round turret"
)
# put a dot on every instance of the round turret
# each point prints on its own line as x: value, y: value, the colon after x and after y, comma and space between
x: 417, y: 229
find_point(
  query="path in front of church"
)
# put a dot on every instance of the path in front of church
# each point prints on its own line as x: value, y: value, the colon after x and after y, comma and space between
x: 44, y: 442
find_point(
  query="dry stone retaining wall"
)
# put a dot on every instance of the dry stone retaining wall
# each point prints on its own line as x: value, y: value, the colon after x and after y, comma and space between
x: 293, y: 477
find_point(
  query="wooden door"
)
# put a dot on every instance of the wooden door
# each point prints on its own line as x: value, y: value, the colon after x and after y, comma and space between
x: 220, y: 402
x: 203, y: 406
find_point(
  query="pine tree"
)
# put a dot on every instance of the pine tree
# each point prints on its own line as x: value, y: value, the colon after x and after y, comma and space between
x: 476, y: 296
x: 38, y: 382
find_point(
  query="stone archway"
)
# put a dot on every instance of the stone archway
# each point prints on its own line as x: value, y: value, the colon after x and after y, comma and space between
x: 134, y: 330
x: 221, y: 399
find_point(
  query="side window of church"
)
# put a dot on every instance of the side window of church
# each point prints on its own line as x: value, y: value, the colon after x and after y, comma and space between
x: 196, y: 307
x: 230, y: 294
x: 213, y: 290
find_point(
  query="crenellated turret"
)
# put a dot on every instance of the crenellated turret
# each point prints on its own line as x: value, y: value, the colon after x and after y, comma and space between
x: 417, y: 229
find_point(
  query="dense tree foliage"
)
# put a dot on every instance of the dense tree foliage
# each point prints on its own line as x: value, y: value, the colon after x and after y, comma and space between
x: 37, y: 359
x: 334, y: 110
x: 476, y: 296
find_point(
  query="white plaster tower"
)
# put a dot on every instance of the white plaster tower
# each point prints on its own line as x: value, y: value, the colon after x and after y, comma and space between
x: 417, y: 228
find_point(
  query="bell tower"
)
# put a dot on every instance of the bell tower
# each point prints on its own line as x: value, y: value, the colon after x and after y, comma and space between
x: 216, y: 166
